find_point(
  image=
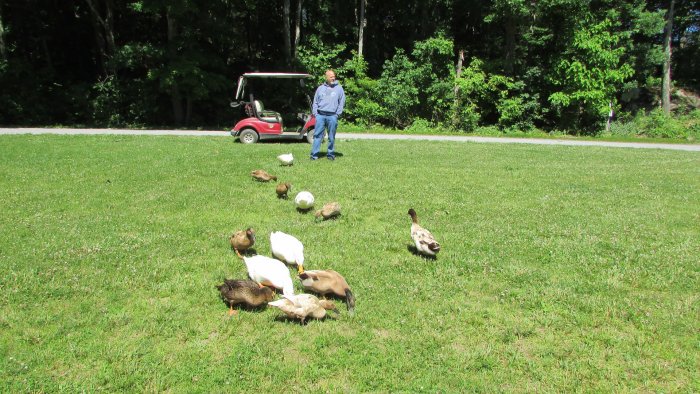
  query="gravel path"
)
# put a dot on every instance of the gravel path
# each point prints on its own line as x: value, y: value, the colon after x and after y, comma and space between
x: 501, y: 140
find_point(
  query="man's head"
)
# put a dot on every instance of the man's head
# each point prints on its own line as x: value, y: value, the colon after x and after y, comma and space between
x: 330, y: 77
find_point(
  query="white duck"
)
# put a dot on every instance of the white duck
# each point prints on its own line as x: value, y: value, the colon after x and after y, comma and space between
x: 302, y: 306
x: 287, y: 159
x: 288, y: 249
x: 270, y: 272
x: 304, y: 200
x: 425, y: 241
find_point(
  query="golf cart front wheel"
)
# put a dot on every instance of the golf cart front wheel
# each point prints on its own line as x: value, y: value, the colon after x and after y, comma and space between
x: 248, y: 136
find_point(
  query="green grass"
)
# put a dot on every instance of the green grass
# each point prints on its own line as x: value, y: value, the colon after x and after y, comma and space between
x: 563, y: 268
x: 493, y: 131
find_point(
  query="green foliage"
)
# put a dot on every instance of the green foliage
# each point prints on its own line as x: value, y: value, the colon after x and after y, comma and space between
x: 399, y: 90
x: 317, y: 57
x: 656, y: 124
x: 592, y: 72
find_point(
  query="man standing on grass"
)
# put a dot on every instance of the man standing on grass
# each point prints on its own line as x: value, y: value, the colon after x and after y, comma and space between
x: 329, y: 101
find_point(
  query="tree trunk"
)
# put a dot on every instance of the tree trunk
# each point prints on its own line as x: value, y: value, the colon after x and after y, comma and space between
x: 175, y: 97
x: 3, y: 50
x: 287, y: 33
x: 509, y: 55
x: 104, y: 31
x: 666, y: 85
x: 297, y: 28
x: 457, y: 102
x: 361, y: 32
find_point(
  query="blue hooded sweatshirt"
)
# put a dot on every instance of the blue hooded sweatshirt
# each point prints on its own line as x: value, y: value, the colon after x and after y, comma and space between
x: 328, y: 100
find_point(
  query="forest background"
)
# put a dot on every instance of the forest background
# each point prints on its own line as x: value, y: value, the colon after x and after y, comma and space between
x: 489, y: 67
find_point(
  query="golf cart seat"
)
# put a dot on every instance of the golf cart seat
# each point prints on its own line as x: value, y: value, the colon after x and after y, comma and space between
x: 267, y: 116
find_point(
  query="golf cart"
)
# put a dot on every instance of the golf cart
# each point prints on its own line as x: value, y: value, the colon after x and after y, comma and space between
x: 266, y: 124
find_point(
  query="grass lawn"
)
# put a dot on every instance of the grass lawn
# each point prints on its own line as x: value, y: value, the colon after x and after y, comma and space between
x: 562, y: 269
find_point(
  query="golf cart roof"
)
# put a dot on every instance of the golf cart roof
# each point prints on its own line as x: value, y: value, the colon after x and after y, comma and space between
x: 276, y: 75
x: 242, y: 79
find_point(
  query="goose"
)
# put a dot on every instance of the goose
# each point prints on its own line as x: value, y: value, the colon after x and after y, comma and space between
x: 286, y: 159
x: 242, y: 240
x: 262, y: 176
x: 329, y: 210
x: 326, y: 282
x: 425, y: 241
x: 269, y: 272
x: 302, y: 306
x: 304, y: 200
x: 288, y: 249
x: 282, y: 189
x: 244, y: 292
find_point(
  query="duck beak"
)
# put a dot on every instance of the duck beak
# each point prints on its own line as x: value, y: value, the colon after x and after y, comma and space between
x: 300, y: 268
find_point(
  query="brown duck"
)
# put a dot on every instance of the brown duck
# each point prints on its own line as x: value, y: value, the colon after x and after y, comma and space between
x: 326, y: 282
x: 242, y: 240
x: 424, y: 239
x: 329, y: 210
x: 247, y: 292
x: 282, y: 189
x: 262, y: 176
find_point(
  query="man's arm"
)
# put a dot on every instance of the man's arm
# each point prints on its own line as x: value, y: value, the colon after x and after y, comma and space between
x: 341, y: 102
x: 314, y: 106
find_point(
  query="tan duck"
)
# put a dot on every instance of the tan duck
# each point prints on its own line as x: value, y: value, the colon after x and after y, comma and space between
x: 424, y: 240
x: 242, y: 240
x: 329, y: 210
x: 326, y: 282
x: 262, y: 176
x: 282, y: 189
x: 302, y: 306
x: 247, y: 292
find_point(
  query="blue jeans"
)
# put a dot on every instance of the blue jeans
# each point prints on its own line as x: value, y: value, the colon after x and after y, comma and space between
x: 324, y: 122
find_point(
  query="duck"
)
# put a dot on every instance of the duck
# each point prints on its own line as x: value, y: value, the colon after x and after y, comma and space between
x: 326, y: 282
x: 235, y: 291
x: 262, y: 176
x: 288, y: 249
x: 286, y: 159
x: 304, y: 200
x: 266, y: 271
x: 282, y: 189
x: 425, y: 241
x: 302, y: 306
x: 329, y: 210
x: 242, y: 240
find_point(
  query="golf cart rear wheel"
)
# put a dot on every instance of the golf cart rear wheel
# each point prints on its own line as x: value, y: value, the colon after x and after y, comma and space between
x: 310, y: 136
x: 248, y: 136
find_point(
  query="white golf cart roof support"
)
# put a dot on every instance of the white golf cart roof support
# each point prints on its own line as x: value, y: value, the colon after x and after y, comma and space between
x: 242, y: 79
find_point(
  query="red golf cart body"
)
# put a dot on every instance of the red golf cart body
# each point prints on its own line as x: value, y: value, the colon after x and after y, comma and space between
x: 263, y: 124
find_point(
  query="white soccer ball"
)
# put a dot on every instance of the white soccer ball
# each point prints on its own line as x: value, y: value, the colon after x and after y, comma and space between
x: 304, y: 200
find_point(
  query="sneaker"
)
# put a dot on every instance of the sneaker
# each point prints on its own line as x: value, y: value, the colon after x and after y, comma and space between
x: 313, y: 158
x: 331, y: 158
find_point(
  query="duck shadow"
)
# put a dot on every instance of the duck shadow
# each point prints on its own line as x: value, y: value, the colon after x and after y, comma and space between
x: 248, y: 252
x: 414, y: 250
x: 290, y: 320
x: 246, y: 307
x: 304, y: 211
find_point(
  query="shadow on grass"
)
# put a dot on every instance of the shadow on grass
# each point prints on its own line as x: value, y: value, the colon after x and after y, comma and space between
x: 289, y: 320
x: 247, y: 253
x: 414, y: 250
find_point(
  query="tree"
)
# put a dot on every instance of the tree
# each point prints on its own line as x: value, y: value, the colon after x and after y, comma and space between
x: 666, y: 85
x: 102, y: 17
x: 361, y: 28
